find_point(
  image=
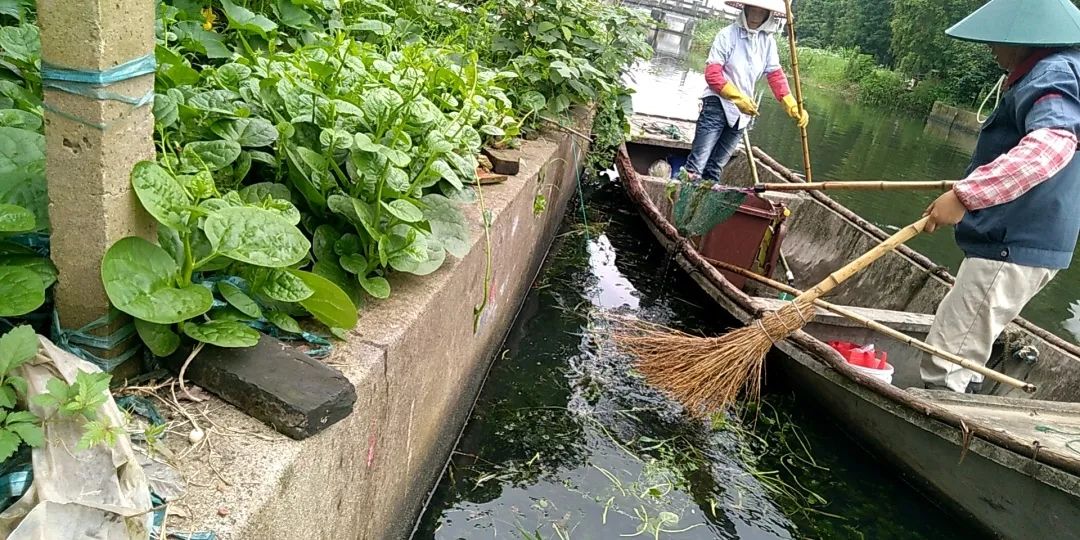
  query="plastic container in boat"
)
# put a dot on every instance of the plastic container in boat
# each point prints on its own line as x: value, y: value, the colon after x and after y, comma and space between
x: 739, y: 239
x: 865, y: 359
x: 883, y: 374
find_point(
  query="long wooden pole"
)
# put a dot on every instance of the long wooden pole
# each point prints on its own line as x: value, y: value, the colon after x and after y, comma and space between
x: 841, y: 275
x: 753, y: 162
x: 881, y: 328
x: 798, y: 89
x: 943, y: 185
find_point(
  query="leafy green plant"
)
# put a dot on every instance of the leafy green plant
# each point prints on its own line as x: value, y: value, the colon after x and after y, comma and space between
x: 565, y: 51
x: 80, y: 401
x: 346, y: 130
x: 83, y: 398
x: 18, y: 425
x: 24, y: 275
x: 248, y: 235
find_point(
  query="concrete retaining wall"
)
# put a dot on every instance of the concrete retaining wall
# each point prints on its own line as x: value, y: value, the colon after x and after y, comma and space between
x: 953, y: 118
x: 417, y: 366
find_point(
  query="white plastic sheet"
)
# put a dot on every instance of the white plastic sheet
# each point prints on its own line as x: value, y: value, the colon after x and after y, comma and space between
x: 100, y: 493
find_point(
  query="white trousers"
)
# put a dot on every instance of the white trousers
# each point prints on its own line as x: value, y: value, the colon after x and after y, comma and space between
x: 987, y: 296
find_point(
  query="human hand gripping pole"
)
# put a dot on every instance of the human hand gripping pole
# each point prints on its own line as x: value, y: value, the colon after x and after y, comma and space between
x: 801, y: 117
x: 947, y: 209
x: 740, y: 100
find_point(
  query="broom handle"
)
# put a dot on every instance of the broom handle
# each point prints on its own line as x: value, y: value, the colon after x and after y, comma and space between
x: 798, y: 90
x: 943, y: 185
x: 881, y: 328
x: 852, y: 268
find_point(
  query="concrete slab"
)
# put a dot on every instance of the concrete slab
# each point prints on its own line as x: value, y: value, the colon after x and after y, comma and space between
x: 417, y: 365
x: 504, y: 161
x: 273, y: 382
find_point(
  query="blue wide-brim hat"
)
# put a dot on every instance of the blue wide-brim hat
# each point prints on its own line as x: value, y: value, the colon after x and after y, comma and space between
x: 1032, y: 23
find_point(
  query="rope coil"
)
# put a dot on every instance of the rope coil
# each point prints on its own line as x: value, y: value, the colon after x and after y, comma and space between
x: 1073, y: 444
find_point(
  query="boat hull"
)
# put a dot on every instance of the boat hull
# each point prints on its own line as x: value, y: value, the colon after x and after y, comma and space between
x: 998, y: 481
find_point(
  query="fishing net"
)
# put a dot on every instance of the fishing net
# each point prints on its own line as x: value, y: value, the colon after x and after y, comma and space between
x: 700, y: 206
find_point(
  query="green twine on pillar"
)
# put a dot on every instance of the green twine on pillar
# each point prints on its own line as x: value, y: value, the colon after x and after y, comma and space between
x: 76, y: 341
x: 92, y: 84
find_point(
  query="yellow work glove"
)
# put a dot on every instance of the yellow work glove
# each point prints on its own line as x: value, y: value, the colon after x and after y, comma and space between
x: 745, y: 104
x: 793, y: 111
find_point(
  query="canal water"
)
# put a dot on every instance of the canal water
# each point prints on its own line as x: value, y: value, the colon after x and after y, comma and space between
x: 849, y: 141
x: 566, y: 442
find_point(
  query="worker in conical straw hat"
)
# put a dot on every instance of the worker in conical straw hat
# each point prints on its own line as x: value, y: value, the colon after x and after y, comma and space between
x: 740, y: 54
x: 1017, y: 210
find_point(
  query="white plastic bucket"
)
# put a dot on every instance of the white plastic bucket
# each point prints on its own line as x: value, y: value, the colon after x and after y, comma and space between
x: 880, y: 374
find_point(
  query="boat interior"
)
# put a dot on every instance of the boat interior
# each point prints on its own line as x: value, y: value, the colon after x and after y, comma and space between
x: 899, y: 291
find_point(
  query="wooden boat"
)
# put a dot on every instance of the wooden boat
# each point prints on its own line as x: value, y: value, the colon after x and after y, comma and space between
x: 999, y: 457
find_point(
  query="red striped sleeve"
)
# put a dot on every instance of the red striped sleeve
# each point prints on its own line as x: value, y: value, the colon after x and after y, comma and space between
x: 1039, y: 155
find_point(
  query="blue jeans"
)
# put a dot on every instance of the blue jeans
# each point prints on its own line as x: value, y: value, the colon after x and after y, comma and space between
x: 714, y: 141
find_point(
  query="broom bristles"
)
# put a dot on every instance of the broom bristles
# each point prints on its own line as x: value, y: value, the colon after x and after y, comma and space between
x: 708, y: 374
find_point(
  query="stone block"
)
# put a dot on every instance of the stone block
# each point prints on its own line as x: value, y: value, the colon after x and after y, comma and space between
x: 273, y: 382
x: 504, y: 161
x: 490, y: 178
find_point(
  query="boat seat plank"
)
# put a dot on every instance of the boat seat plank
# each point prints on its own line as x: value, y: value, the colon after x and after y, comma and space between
x: 1054, y: 424
x: 909, y: 323
x: 639, y: 134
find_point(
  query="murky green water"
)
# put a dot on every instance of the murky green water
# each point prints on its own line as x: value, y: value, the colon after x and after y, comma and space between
x: 849, y: 141
x: 565, y: 443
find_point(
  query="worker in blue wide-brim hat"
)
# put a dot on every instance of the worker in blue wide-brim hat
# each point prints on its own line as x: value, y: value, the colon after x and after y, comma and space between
x: 1017, y: 210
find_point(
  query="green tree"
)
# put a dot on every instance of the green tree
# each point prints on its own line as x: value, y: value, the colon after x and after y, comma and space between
x: 918, y: 32
x: 847, y: 23
x: 871, y: 20
x: 922, y: 49
x: 816, y: 21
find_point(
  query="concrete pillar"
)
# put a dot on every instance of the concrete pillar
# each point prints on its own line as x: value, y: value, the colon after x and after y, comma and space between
x: 91, y: 203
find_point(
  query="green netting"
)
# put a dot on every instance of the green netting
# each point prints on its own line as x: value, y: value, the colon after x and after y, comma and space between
x: 698, y: 208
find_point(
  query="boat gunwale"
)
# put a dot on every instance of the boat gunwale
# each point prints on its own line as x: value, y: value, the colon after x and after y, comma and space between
x: 680, y: 246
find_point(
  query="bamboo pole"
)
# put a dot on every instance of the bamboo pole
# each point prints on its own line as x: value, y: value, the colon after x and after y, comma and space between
x: 875, y: 185
x: 881, y: 328
x: 798, y: 89
x: 753, y: 162
x: 834, y: 279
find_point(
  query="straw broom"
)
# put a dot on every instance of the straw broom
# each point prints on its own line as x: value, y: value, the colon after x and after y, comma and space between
x: 708, y: 374
x: 882, y: 329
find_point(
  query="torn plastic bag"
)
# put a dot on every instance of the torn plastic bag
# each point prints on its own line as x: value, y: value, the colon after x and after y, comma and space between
x: 98, y: 493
